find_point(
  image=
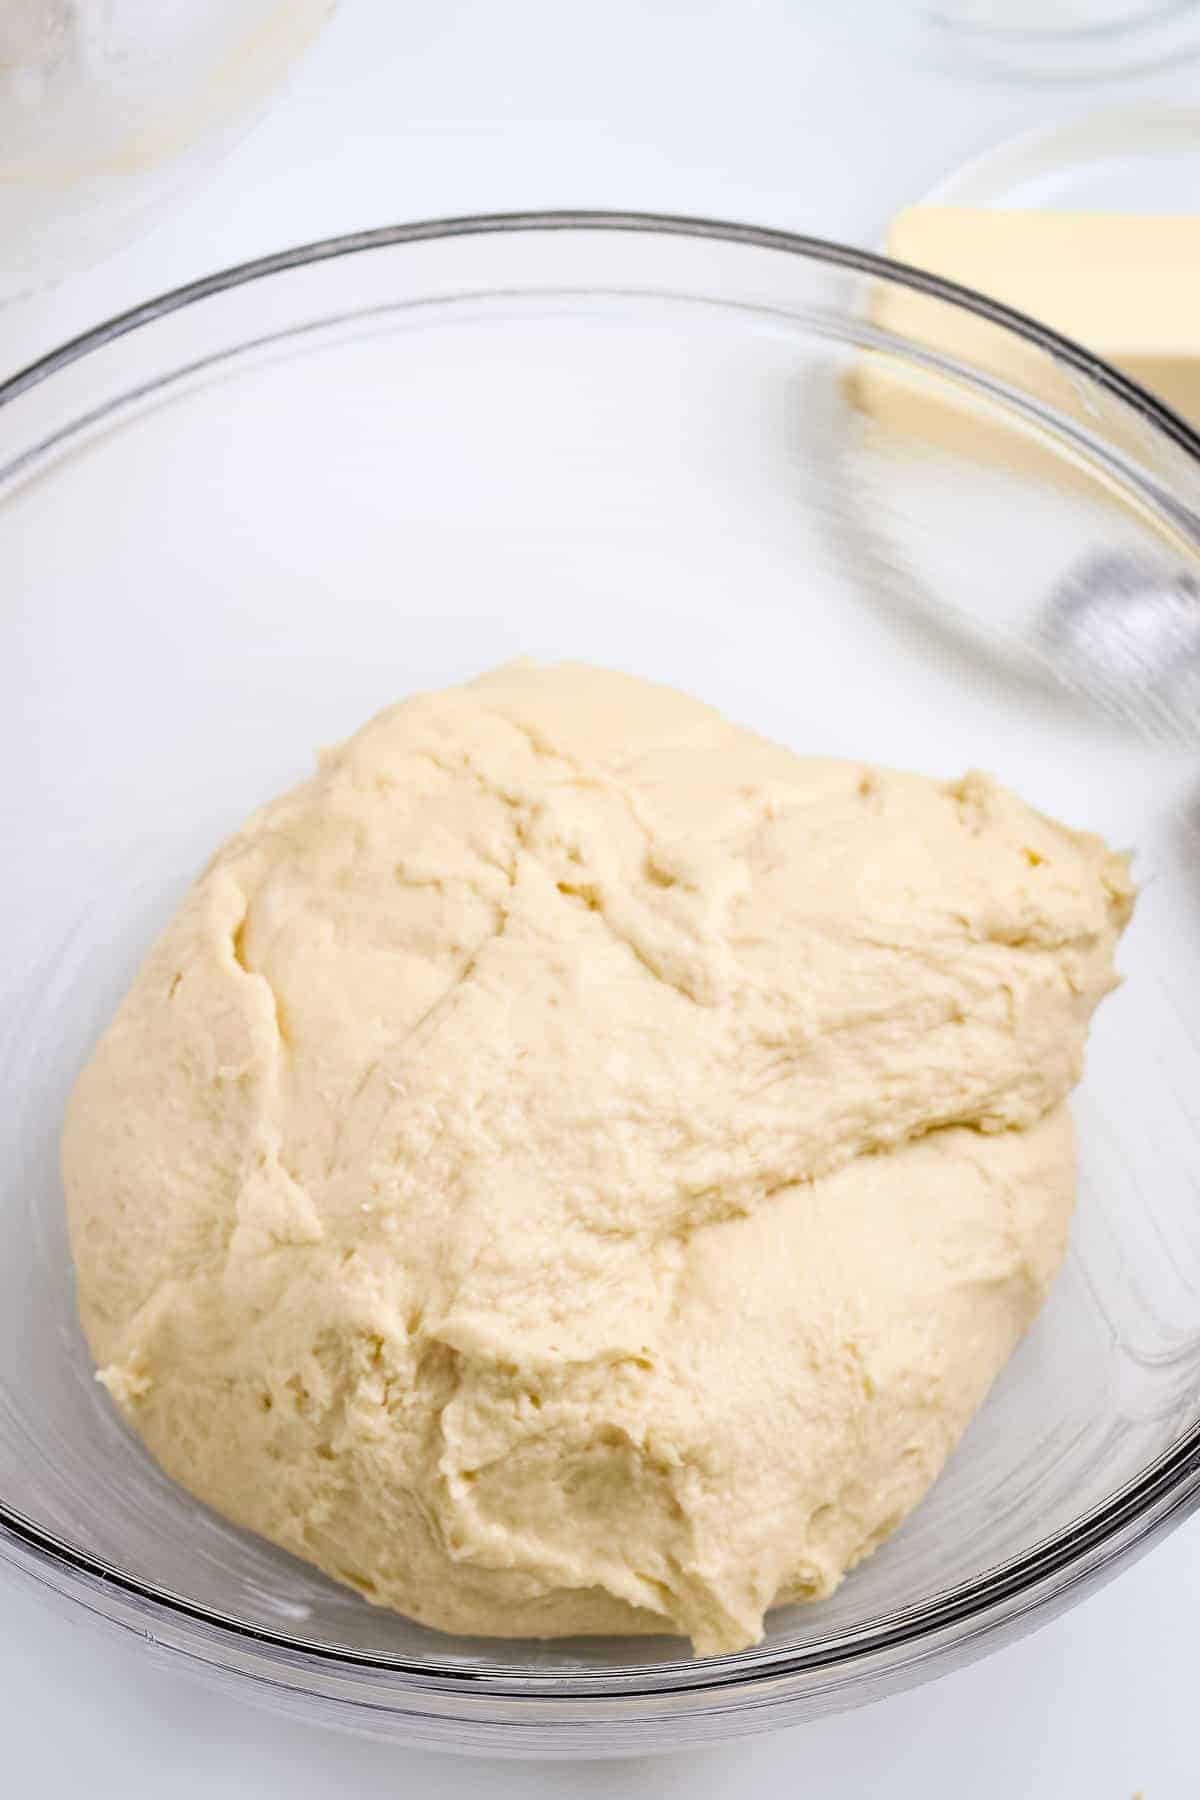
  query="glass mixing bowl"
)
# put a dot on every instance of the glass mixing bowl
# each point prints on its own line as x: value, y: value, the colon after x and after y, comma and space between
x: 780, y: 473
x: 1044, y: 40
x: 111, y: 109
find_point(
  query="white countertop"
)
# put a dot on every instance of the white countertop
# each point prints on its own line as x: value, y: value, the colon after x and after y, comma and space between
x: 760, y: 110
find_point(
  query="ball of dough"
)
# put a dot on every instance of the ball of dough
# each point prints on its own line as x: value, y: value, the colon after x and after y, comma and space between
x: 575, y: 1166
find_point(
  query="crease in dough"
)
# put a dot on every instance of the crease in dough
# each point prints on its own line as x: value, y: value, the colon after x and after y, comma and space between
x: 576, y: 1166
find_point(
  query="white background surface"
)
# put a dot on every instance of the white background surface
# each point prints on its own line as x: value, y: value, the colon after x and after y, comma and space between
x: 761, y: 110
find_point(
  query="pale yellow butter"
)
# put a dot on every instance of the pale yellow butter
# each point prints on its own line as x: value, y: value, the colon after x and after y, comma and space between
x: 1126, y: 286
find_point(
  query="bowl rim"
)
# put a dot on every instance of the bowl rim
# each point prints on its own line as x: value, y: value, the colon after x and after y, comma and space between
x: 1162, y: 1494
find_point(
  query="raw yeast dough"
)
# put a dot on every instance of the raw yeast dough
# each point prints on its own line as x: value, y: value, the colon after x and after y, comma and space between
x: 575, y: 1166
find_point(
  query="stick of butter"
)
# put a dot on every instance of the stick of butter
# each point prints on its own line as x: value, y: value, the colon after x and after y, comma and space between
x: 1126, y: 286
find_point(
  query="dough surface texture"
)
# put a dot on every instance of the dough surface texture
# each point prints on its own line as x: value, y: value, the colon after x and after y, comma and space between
x: 576, y: 1166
